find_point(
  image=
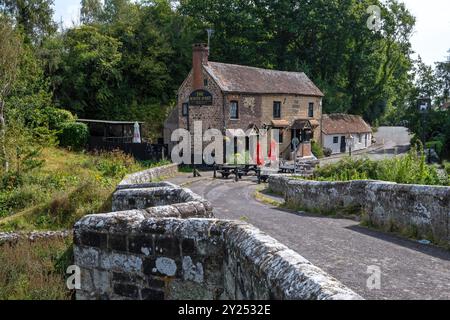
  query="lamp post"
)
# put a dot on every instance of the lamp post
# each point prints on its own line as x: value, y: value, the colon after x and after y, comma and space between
x: 350, y: 141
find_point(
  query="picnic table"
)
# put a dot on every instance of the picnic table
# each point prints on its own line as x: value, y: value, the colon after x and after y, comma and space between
x: 226, y: 171
x: 238, y: 171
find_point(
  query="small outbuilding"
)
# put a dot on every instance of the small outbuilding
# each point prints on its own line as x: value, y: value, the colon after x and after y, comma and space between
x: 344, y: 132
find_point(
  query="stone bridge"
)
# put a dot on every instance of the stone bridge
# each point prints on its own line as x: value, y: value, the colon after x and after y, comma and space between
x: 161, y: 242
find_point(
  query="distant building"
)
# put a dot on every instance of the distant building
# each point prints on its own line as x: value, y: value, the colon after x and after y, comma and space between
x: 234, y: 97
x: 342, y: 131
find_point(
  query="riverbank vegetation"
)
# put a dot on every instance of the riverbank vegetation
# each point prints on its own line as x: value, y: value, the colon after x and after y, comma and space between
x: 409, y: 169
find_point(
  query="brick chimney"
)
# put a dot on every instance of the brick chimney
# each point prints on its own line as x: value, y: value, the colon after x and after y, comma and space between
x: 200, y: 54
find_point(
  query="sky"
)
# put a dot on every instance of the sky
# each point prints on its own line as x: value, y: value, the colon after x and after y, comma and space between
x: 431, y: 39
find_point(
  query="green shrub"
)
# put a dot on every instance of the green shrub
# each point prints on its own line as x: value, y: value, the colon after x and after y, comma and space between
x: 437, y: 145
x: 317, y: 150
x: 447, y: 167
x: 73, y: 135
x: 409, y: 169
x: 239, y: 159
x: 57, y: 118
x: 327, y: 152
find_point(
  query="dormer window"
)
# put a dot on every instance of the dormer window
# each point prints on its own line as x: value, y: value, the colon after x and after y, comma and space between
x: 185, y: 109
x: 234, y: 110
x: 276, y: 109
x: 311, y: 110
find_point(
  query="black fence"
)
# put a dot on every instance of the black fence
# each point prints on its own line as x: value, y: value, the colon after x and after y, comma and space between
x: 140, y: 151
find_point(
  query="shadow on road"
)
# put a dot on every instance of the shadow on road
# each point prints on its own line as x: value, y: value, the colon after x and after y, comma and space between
x: 430, y: 250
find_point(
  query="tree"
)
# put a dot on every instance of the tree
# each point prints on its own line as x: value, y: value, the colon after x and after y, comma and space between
x: 10, y: 50
x: 91, y: 11
x: 426, y: 82
x: 90, y: 72
x: 443, y: 75
x: 360, y: 71
x: 34, y: 17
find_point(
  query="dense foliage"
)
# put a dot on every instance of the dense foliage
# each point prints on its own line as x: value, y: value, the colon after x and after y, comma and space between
x: 409, y: 169
x: 124, y: 60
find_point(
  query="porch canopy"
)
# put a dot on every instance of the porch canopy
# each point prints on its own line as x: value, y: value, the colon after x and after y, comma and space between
x: 305, y: 124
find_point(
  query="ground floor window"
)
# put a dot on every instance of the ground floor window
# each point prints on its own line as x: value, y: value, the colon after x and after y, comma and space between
x: 335, y: 140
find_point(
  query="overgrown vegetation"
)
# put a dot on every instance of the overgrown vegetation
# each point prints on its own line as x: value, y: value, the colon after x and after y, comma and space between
x: 63, y: 188
x: 35, y: 270
x: 409, y: 169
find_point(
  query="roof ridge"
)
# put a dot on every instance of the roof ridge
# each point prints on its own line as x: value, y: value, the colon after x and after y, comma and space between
x: 258, y: 68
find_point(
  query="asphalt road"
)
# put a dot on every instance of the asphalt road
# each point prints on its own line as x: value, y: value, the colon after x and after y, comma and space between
x: 393, y: 136
x: 338, y: 246
x: 395, y: 141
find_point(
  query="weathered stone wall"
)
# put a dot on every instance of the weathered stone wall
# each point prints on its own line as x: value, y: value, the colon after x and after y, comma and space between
x: 148, y: 176
x: 143, y: 198
x: 130, y: 255
x: 420, y: 210
x: 12, y: 238
x: 423, y: 211
x: 159, y: 199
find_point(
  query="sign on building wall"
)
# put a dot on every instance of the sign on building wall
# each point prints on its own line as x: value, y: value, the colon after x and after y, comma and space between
x: 201, y: 98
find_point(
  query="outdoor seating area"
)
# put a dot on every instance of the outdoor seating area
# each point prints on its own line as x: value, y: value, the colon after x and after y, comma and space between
x: 239, y: 171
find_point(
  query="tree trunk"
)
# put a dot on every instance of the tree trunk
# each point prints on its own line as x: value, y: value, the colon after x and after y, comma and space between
x: 3, y: 158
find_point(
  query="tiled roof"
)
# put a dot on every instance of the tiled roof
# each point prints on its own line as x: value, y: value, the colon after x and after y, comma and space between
x: 243, y: 79
x: 344, y: 124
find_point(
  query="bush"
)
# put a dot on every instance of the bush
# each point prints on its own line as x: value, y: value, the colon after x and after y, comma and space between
x: 73, y: 135
x: 317, y: 150
x: 437, y: 145
x: 327, y: 152
x: 447, y: 167
x: 409, y: 169
x: 57, y: 118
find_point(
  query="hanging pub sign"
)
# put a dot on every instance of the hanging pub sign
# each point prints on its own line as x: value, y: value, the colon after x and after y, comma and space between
x: 201, y: 98
x: 424, y: 104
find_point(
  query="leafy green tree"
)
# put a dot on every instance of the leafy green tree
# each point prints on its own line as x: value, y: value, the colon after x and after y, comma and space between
x: 91, y: 11
x: 443, y: 75
x: 34, y: 17
x: 10, y: 50
x: 89, y: 74
x: 360, y: 71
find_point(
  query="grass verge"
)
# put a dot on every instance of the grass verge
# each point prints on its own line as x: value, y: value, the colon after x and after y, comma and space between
x: 35, y: 270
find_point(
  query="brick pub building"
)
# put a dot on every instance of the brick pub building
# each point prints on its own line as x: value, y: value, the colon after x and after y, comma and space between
x: 232, y: 97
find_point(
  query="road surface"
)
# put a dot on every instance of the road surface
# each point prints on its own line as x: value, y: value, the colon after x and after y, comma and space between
x: 340, y: 247
x: 394, y: 141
